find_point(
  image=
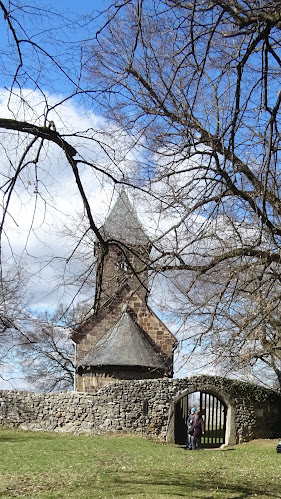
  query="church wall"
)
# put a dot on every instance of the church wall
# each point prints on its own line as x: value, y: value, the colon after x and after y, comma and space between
x: 92, y: 384
x: 91, y: 381
x: 98, y: 328
x: 255, y: 411
x: 155, y: 329
x: 116, y: 268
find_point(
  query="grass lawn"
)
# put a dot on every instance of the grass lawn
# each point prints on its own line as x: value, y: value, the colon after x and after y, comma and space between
x: 50, y: 465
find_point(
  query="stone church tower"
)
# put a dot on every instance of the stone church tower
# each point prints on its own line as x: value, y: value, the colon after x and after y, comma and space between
x: 124, y: 339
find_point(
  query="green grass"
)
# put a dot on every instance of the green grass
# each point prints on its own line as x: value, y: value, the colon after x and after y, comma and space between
x: 49, y: 465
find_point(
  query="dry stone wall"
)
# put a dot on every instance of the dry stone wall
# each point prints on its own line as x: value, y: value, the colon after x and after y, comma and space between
x: 252, y: 411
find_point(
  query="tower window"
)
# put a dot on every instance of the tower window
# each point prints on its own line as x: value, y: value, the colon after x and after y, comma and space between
x: 122, y: 266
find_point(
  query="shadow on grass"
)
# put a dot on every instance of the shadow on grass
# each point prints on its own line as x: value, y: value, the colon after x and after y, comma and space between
x: 18, y: 438
x: 177, y: 485
x: 183, y: 447
x: 19, y: 435
x: 12, y: 439
x: 131, y: 484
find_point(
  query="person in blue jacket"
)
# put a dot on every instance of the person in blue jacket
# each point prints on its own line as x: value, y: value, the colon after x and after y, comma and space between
x: 190, y: 428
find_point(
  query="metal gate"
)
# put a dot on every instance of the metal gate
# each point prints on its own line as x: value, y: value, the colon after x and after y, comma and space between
x: 213, y: 411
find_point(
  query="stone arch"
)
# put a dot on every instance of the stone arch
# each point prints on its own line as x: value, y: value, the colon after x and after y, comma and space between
x: 224, y: 397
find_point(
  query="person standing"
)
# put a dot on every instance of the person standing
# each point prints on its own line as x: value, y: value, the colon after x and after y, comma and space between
x: 198, y: 430
x: 190, y: 428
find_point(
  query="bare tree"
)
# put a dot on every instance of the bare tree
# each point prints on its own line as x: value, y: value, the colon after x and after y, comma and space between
x: 13, y: 320
x: 46, y: 354
x: 197, y: 86
x: 38, y: 52
x: 192, y: 96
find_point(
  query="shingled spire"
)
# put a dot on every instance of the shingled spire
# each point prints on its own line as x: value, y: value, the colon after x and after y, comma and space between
x: 129, y: 250
x: 123, y: 223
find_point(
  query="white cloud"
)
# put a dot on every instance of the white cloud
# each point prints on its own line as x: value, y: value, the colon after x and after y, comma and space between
x: 45, y: 200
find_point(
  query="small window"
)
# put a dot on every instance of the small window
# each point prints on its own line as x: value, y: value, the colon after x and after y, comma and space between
x: 122, y: 266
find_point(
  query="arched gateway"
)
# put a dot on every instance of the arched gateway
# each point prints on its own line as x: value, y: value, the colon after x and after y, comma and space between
x: 218, y: 407
x: 234, y: 411
x: 214, y: 413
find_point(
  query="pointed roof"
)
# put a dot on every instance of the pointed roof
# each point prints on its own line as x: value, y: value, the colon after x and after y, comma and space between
x: 123, y: 223
x: 125, y: 344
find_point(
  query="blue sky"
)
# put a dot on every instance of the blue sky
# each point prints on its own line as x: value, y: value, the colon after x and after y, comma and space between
x: 52, y: 82
x: 56, y: 34
x: 55, y: 85
x: 80, y: 6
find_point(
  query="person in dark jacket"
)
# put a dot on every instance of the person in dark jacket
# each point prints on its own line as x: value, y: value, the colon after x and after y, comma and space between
x: 190, y: 428
x: 198, y: 430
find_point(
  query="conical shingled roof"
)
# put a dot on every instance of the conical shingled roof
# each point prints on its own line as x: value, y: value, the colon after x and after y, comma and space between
x: 123, y: 224
x: 126, y: 345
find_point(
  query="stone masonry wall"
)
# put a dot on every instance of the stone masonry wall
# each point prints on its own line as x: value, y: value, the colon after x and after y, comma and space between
x: 107, y: 317
x: 253, y: 412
